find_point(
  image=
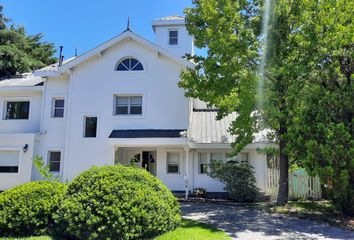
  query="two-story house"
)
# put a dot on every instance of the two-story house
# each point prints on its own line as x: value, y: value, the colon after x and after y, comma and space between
x: 117, y: 103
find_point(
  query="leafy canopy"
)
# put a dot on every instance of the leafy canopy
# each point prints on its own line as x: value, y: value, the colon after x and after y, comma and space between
x: 20, y: 52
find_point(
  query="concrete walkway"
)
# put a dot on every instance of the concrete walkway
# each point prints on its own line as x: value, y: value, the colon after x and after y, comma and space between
x: 253, y: 223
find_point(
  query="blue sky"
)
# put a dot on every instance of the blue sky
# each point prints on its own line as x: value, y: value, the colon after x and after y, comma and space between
x: 86, y: 24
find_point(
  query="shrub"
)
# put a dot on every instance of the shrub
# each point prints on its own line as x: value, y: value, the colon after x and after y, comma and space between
x: 117, y: 202
x: 27, y: 209
x: 238, y: 179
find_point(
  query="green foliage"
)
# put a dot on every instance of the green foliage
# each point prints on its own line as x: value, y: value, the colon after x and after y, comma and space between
x: 193, y: 230
x: 20, y: 52
x: 322, y: 136
x: 27, y: 209
x: 308, y: 81
x: 117, y: 202
x: 226, y: 77
x: 238, y: 178
x: 44, y: 170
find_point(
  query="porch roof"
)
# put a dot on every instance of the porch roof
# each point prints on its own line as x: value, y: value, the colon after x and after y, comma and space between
x: 147, y: 133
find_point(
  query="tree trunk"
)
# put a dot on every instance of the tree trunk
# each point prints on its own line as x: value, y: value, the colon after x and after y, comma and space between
x: 283, y: 192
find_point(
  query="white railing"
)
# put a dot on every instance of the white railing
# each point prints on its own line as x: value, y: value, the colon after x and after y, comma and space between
x: 301, y: 185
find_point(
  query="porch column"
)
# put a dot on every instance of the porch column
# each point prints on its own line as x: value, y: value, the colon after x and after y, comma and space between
x: 186, y: 176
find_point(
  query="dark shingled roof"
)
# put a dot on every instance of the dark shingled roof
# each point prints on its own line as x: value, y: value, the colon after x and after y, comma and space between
x: 147, y: 133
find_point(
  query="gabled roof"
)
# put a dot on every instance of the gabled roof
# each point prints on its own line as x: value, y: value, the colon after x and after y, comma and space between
x: 99, y: 49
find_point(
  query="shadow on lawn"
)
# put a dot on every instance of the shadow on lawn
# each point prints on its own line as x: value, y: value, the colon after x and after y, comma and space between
x: 236, y: 219
x: 189, y: 224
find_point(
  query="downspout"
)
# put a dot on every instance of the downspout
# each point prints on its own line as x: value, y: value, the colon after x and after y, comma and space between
x: 41, y: 125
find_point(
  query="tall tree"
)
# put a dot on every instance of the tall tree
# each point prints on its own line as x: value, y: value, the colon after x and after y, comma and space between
x: 20, y: 52
x: 230, y: 30
x: 323, y: 131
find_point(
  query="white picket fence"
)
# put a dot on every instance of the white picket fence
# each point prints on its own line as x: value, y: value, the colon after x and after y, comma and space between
x: 301, y: 185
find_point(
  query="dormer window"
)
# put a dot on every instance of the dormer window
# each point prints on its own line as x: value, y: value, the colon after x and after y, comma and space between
x: 173, y: 37
x: 129, y: 64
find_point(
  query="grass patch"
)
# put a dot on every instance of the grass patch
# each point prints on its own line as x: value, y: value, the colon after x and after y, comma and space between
x: 193, y: 230
x: 322, y: 211
x: 188, y: 230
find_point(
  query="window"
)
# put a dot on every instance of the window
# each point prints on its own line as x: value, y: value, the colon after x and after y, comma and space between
x: 173, y: 37
x: 203, y: 163
x: 58, y: 108
x: 90, y: 127
x: 244, y: 158
x: 130, y: 64
x: 17, y: 110
x: 173, y: 162
x: 215, y: 156
x: 54, y: 161
x: 129, y: 105
x: 9, y: 161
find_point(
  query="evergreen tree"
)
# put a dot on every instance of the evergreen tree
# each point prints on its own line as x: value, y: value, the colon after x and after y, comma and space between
x: 20, y: 52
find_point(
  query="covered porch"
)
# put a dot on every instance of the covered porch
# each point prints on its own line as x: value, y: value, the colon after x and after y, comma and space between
x: 163, y: 153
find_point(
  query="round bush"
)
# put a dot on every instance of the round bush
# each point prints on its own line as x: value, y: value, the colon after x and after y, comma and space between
x: 27, y: 209
x: 117, y: 202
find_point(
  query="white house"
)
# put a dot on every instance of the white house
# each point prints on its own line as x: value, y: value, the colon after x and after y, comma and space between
x: 117, y: 102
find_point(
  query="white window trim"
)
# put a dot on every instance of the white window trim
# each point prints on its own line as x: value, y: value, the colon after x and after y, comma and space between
x: 208, y: 152
x: 133, y: 116
x: 130, y: 54
x: 180, y: 165
x: 84, y: 126
x: 199, y: 162
x: 20, y: 149
x: 17, y: 99
x: 54, y: 98
x: 61, y: 160
x: 178, y: 37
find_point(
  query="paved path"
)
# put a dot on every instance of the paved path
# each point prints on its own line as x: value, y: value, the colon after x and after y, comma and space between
x: 253, y: 224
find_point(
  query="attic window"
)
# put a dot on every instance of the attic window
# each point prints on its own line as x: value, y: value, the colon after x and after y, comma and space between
x: 129, y: 64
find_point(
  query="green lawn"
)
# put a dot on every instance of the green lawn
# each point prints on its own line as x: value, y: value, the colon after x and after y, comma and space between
x: 189, y: 230
x: 192, y: 230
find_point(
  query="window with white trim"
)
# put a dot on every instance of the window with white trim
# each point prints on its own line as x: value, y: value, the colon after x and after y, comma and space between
x: 203, y: 163
x: 58, y: 108
x: 90, y: 127
x: 128, y: 105
x: 173, y: 162
x: 16, y: 110
x: 215, y: 156
x: 54, y: 161
x: 244, y: 158
x: 129, y: 64
x: 173, y: 37
x: 9, y: 161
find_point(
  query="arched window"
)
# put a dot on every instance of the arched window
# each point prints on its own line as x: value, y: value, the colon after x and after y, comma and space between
x: 130, y: 64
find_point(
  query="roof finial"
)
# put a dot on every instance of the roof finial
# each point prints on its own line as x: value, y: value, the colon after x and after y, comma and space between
x: 128, y: 24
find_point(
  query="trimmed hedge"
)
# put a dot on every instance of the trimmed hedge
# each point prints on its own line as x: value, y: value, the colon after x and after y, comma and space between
x: 27, y: 209
x: 117, y: 202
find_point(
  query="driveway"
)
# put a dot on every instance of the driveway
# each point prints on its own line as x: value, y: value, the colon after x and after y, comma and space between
x: 252, y: 223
